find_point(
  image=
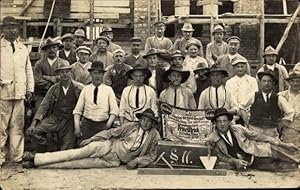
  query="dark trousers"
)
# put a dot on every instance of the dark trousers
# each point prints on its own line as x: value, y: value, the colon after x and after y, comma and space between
x: 89, y: 128
x: 54, y: 133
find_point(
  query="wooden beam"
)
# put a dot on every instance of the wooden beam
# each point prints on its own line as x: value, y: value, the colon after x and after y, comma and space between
x: 26, y: 7
x: 91, y: 19
x: 287, y: 29
x: 164, y: 171
x: 262, y: 34
x: 284, y: 6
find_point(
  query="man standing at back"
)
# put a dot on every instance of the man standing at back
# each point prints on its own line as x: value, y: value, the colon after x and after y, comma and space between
x: 16, y: 84
x: 181, y: 43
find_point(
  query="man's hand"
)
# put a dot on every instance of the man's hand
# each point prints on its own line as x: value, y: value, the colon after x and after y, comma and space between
x: 32, y: 127
x: 240, y: 164
x: 289, y: 146
x: 85, y: 142
x: 28, y: 96
x: 77, y: 132
x: 132, y: 164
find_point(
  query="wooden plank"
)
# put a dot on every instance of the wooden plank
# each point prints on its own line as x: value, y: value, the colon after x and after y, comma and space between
x: 287, y: 29
x: 96, y: 15
x: 164, y: 171
x: 86, y: 9
x: 284, y: 6
x: 112, y: 3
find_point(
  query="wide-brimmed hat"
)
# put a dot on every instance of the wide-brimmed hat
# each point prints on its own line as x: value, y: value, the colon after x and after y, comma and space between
x: 67, y: 35
x: 63, y: 65
x: 187, y: 27
x: 135, y: 39
x: 221, y: 111
x: 84, y: 49
x: 177, y: 53
x: 97, y: 65
x: 106, y: 29
x: 147, y: 113
x: 193, y: 42
x: 8, y: 21
x: 151, y: 51
x: 234, y: 39
x: 293, y: 74
x: 51, y: 42
x: 139, y: 67
x: 102, y: 38
x: 239, y: 59
x: 216, y: 68
x: 159, y: 24
x: 218, y: 28
x: 268, y: 73
x: 200, y: 68
x: 270, y: 51
x: 185, y: 74
x: 79, y: 32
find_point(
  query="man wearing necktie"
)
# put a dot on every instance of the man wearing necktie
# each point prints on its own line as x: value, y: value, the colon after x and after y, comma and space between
x: 269, y: 113
x: 138, y: 96
x: 16, y: 86
x: 133, y: 143
x: 97, y: 107
x: 242, y: 148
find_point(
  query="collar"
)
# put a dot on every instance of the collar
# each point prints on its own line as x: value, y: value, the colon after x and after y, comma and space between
x: 51, y: 60
x: 271, y: 67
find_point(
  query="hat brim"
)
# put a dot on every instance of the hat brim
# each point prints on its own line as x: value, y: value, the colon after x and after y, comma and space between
x: 200, y: 69
x: 139, y: 115
x: 274, y: 53
x: 230, y: 116
x: 261, y: 74
x: 147, y: 55
x: 191, y: 30
x: 146, y: 71
x: 101, y: 33
x: 63, y: 68
x: 219, y: 31
x: 292, y: 77
x: 185, y: 75
x: 220, y: 71
x: 60, y: 46
x: 99, y: 69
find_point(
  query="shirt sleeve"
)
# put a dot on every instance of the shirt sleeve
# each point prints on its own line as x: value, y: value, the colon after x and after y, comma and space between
x: 29, y: 76
x: 201, y: 104
x: 123, y: 103
x: 286, y: 108
x: 80, y: 103
x: 113, y: 106
x: 154, y: 102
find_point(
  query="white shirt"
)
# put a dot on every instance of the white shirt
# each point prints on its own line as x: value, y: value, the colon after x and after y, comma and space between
x: 139, y: 138
x: 229, y: 137
x: 266, y: 96
x: 242, y: 89
x: 51, y: 61
x: 65, y: 89
x: 67, y: 53
x: 106, y: 103
x: 152, y: 79
x: 271, y: 67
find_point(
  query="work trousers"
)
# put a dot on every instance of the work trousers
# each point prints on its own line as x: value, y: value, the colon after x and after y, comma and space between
x: 89, y: 128
x: 98, y: 154
x: 12, y: 125
x: 63, y: 128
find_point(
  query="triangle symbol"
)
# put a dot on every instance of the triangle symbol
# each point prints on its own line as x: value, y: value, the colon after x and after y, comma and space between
x: 208, y: 162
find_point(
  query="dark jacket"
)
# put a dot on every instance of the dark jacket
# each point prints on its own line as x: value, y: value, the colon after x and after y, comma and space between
x: 72, y: 56
x: 46, y: 107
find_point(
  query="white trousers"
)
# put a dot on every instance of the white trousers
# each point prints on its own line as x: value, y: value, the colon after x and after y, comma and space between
x: 12, y: 125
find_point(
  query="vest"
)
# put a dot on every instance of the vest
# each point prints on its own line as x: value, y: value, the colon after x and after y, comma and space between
x: 65, y: 103
x: 265, y: 115
x: 235, y: 149
x: 119, y: 82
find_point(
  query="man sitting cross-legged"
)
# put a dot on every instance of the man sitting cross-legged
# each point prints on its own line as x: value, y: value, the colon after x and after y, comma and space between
x: 133, y: 143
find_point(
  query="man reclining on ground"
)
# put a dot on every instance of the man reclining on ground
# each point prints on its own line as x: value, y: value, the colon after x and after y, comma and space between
x: 133, y: 143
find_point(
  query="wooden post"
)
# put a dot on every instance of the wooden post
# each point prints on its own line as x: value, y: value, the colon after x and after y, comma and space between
x: 91, y: 20
x: 287, y: 29
x: 210, y: 7
x: 24, y: 34
x: 262, y: 33
x: 148, y: 17
x: 58, y: 27
x: 211, y: 28
x: 284, y: 7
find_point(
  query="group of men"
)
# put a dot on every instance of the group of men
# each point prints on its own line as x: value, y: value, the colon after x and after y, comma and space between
x: 98, y: 107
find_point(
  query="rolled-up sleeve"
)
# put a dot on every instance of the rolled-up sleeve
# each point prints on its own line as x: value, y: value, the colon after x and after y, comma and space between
x: 286, y: 108
x: 29, y: 76
x: 80, y: 103
x: 113, y: 106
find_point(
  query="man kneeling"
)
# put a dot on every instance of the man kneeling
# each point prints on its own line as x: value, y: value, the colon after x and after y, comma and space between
x: 133, y: 143
x: 242, y: 148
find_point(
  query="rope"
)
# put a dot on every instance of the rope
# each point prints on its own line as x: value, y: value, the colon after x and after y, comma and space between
x: 50, y: 15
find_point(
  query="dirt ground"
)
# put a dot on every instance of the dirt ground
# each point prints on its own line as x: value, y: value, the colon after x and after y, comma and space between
x: 14, y: 177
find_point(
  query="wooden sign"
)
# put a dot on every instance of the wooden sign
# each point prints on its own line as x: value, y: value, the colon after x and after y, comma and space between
x: 181, y: 154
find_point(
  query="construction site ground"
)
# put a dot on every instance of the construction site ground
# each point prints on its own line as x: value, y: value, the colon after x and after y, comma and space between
x: 15, y: 177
